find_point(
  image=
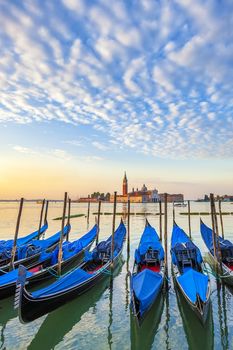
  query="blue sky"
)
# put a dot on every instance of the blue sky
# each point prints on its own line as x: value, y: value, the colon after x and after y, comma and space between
x: 92, y: 88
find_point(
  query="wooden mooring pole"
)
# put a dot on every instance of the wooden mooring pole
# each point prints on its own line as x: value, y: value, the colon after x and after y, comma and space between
x: 61, y: 235
x: 213, y: 225
x: 46, y: 212
x: 68, y: 220
x: 41, y: 216
x: 221, y: 218
x: 217, y: 235
x: 13, y: 252
x: 165, y: 242
x: 173, y: 213
x: 113, y: 225
x: 128, y: 226
x: 98, y: 223
x: 189, y: 220
x: 88, y: 212
x: 160, y: 221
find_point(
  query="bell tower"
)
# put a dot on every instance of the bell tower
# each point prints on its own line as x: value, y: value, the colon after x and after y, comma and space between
x: 125, y: 186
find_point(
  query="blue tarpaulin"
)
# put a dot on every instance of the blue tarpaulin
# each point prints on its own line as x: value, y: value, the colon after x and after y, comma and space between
x: 193, y: 283
x: 75, y: 277
x: 23, y: 240
x: 149, y: 239
x: 71, y: 248
x: 105, y: 246
x: 180, y: 242
x: 78, y: 275
x: 206, y: 233
x: 38, y: 245
x: 146, y: 286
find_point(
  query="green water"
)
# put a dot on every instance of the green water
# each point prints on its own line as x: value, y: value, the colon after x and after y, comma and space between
x: 101, y: 318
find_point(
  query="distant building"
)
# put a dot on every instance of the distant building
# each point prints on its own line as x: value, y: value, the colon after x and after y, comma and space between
x: 172, y: 197
x: 86, y: 200
x: 125, y: 186
x: 139, y: 196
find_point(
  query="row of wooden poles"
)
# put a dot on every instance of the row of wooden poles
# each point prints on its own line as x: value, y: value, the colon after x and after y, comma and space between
x: 217, y: 252
x: 128, y: 227
x: 215, y: 230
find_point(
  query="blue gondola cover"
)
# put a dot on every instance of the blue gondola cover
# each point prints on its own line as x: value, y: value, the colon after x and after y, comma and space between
x: 38, y: 245
x: 78, y: 275
x: 146, y: 286
x: 206, y: 233
x: 193, y: 283
x: 7, y: 245
x: 180, y: 241
x: 149, y: 239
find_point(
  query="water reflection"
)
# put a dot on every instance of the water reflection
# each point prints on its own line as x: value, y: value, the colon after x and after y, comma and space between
x: 6, y: 314
x: 198, y: 336
x: 143, y: 337
x: 59, y: 322
x: 222, y: 314
x: 167, y: 320
x: 110, y: 313
x: 101, y: 318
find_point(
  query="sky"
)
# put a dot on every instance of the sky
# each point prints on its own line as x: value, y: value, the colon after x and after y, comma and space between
x: 90, y: 89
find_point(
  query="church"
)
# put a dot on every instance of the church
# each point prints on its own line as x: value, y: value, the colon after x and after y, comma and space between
x: 136, y: 196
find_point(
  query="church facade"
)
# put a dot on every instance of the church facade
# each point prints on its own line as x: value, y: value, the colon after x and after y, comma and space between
x: 136, y: 196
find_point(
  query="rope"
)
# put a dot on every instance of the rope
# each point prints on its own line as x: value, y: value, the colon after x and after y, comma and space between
x: 216, y: 275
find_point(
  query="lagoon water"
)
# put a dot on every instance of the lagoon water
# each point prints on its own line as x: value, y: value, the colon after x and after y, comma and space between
x: 101, y: 318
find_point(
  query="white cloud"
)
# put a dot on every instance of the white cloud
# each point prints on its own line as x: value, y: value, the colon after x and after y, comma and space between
x: 99, y: 146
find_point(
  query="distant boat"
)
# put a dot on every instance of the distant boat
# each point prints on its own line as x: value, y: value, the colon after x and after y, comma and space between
x: 180, y: 204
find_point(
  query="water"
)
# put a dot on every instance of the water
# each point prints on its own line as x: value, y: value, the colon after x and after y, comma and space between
x: 101, y: 318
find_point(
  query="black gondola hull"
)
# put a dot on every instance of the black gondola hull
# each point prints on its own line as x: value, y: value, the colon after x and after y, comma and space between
x: 202, y: 316
x: 44, y: 275
x: 31, y: 309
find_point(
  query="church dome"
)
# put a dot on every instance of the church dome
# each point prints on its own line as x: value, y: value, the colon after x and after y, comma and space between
x: 144, y: 188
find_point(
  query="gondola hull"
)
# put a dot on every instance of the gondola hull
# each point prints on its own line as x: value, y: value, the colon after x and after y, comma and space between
x: 30, y: 308
x: 201, y: 313
x: 5, y: 262
x: 139, y: 320
x: 32, y: 261
x: 227, y: 274
x: 46, y: 273
x: 29, y: 262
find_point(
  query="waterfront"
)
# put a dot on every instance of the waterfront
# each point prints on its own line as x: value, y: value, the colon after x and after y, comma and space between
x: 101, y: 318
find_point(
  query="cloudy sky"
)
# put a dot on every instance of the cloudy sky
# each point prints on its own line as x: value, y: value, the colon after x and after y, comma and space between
x: 89, y: 89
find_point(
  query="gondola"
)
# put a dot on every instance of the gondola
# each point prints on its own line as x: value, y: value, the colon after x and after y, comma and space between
x: 29, y: 254
x: 6, y: 246
x: 226, y: 248
x: 148, y: 273
x: 46, y: 266
x: 96, y: 266
x: 188, y: 272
